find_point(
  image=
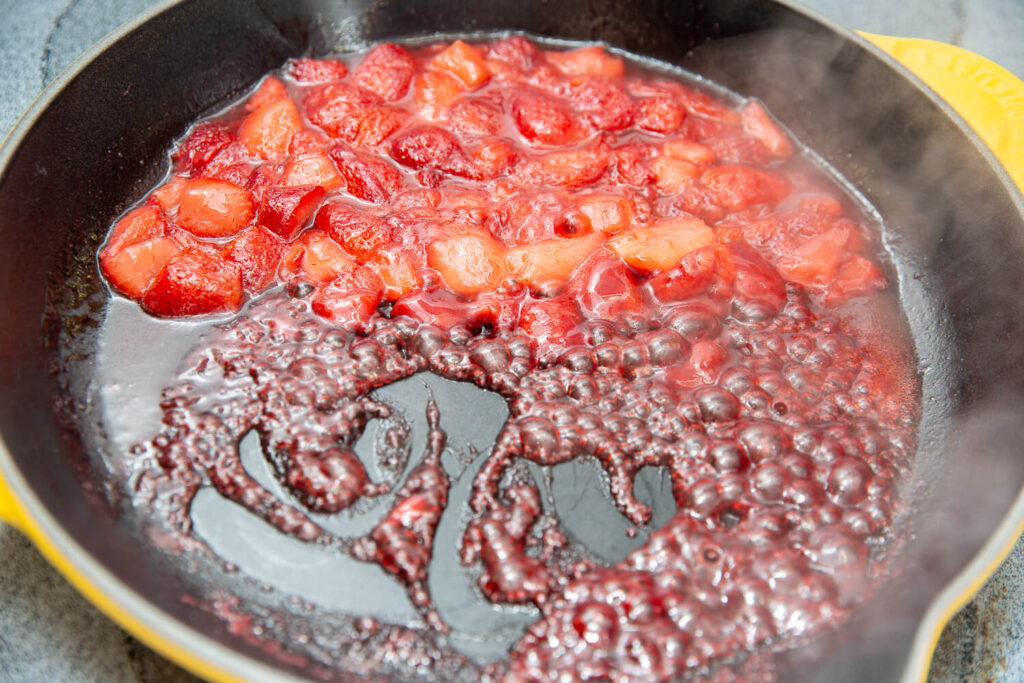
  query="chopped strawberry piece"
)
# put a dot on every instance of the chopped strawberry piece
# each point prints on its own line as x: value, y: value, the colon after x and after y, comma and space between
x: 673, y: 175
x: 286, y: 210
x: 704, y: 105
x: 550, y: 321
x: 139, y: 224
x: 358, y: 233
x: 760, y: 126
x: 349, y: 300
x: 463, y: 61
x: 440, y: 308
x: 475, y: 116
x: 214, y: 208
x: 264, y: 177
x: 604, y: 104
x: 660, y: 114
x: 700, y: 201
x: 515, y: 51
x: 435, y: 91
x: 739, y: 187
x: 270, y: 89
x: 856, y: 275
x: 499, y: 310
x: 167, y: 196
x: 693, y: 275
x: 604, y: 288
x: 386, y: 70
x: 740, y: 149
x: 194, y: 282
x: 433, y: 148
x: 366, y: 176
x: 312, y: 169
x: 707, y: 358
x: 816, y: 260
x: 268, y: 130
x: 469, y: 263
x: 316, y: 257
x: 687, y: 150
x: 822, y: 203
x: 317, y: 70
x: 662, y: 244
x: 587, y: 61
x: 397, y: 273
x: 494, y: 158
x: 630, y: 165
x: 338, y: 108
x: 131, y: 270
x: 376, y: 125
x: 201, y: 146
x: 257, y: 253
x: 544, y: 119
x: 570, y: 168
x: 231, y: 160
x: 751, y: 276
x: 607, y: 213
x: 305, y: 141
x: 548, y: 263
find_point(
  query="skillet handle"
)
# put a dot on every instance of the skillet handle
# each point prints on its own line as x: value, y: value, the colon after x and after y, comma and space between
x: 987, y: 96
x: 8, y: 506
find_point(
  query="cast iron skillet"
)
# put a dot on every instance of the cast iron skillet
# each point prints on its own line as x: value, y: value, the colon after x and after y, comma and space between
x: 98, y: 140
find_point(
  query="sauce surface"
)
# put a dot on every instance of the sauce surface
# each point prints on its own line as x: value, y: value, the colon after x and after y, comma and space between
x: 649, y: 277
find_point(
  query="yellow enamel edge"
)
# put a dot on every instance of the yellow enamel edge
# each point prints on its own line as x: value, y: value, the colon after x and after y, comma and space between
x: 991, y: 101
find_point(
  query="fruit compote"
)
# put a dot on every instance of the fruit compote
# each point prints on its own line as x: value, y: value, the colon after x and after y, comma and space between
x: 649, y: 275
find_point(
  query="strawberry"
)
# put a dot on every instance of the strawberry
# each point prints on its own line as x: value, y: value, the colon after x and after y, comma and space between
x: 703, y: 105
x: 707, y: 358
x: 167, y: 196
x: 311, y: 169
x: 435, y: 91
x: 366, y: 176
x: 349, y: 300
x: 475, y: 116
x: 660, y: 245
x: 257, y: 253
x: 740, y: 187
x: 440, y: 308
x: 261, y: 179
x: 550, y: 262
x: 468, y: 263
x: 816, y: 260
x: 360, y: 235
x: 305, y: 141
x: 137, y: 225
x: 432, y: 148
x: 739, y: 149
x: 214, y: 208
x: 233, y: 159
x: 550, y: 321
x: 759, y: 125
x: 751, y: 276
x: 203, y: 143
x: 286, y: 210
x: 270, y: 89
x: 194, y: 282
x: 660, y: 114
x: 673, y: 175
x: 607, y: 213
x: 587, y: 61
x: 515, y: 51
x: 690, y: 277
x: 338, y: 108
x: 687, y: 150
x: 604, y: 104
x: 131, y: 270
x: 820, y: 202
x: 493, y: 158
x: 544, y: 119
x: 386, y: 71
x: 317, y: 70
x: 630, y: 166
x: 315, y: 257
x: 268, y: 130
x: 856, y: 275
x: 604, y: 288
x: 397, y: 273
x: 376, y: 125
x: 699, y: 201
x: 568, y: 168
x: 463, y: 61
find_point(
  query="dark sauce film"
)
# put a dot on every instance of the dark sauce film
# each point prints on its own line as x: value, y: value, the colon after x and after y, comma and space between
x: 509, y: 360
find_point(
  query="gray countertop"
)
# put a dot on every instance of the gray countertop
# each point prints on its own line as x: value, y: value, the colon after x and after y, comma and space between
x: 49, y: 633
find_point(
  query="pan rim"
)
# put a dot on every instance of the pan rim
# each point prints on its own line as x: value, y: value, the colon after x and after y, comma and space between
x: 209, y: 658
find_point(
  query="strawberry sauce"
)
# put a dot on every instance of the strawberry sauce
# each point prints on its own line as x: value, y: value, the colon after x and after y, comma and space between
x: 649, y: 276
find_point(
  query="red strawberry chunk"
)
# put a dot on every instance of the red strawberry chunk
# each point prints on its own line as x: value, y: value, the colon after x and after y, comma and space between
x: 543, y: 119
x: 550, y: 321
x: 693, y: 275
x: 257, y: 254
x: 267, y: 131
x: 358, y: 233
x: 660, y: 114
x: 475, y: 116
x: 570, y: 168
x: 138, y: 225
x: 856, y: 275
x: 604, y: 104
x: 270, y: 89
x: 760, y: 126
x: 317, y: 70
x: 350, y: 300
x: 214, y: 208
x: 515, y: 51
x: 286, y: 210
x: 816, y: 260
x: 192, y: 283
x: 433, y: 148
x: 604, y: 287
x: 201, y: 146
x: 366, y: 176
x: 740, y: 187
x: 435, y: 91
x: 386, y: 71
x: 338, y: 108
x: 376, y: 125
x: 132, y: 269
x: 752, y: 277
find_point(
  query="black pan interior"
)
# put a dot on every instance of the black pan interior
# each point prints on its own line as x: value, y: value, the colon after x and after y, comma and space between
x: 955, y: 230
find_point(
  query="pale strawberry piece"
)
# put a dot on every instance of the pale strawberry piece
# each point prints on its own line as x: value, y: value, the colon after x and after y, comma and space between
x: 688, y: 150
x: 397, y: 273
x: 194, y: 282
x: 305, y: 141
x: 549, y: 263
x: 257, y: 254
x: 607, y: 213
x: 819, y: 202
x: 760, y: 126
x: 493, y: 158
x: 463, y: 61
x: 139, y: 224
x: 131, y: 269
x: 386, y: 71
x: 268, y: 130
x: 587, y: 61
x: 469, y: 263
x: 673, y: 175
x: 376, y: 125
x: 317, y: 258
x: 662, y: 244
x: 214, y: 208
x: 269, y: 90
x: 311, y: 169
x: 856, y: 275
x: 816, y: 260
x: 435, y: 91
x: 167, y: 196
x: 317, y: 70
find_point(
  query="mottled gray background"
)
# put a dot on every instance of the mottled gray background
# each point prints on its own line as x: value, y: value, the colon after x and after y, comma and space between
x: 49, y: 633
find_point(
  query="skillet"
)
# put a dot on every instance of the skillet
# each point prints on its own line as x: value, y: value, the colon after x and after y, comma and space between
x: 958, y: 258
